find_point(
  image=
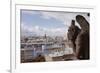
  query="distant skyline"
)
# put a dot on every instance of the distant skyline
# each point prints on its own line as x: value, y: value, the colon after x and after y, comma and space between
x: 46, y: 22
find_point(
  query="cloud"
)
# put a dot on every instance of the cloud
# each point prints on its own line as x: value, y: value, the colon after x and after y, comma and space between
x: 29, y: 12
x: 64, y: 17
x: 58, y: 16
x: 37, y: 30
x: 55, y: 32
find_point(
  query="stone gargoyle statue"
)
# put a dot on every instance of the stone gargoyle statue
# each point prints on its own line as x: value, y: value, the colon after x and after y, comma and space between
x: 79, y: 37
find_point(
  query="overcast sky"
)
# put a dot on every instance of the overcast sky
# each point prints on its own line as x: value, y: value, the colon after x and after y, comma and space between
x: 46, y: 22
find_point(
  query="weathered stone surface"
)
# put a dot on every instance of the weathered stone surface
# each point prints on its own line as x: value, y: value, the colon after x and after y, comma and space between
x: 82, y: 41
x: 79, y: 38
x: 73, y: 31
x: 83, y: 23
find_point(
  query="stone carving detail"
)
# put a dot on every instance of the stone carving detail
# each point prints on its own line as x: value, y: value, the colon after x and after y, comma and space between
x: 79, y: 38
x: 73, y: 31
